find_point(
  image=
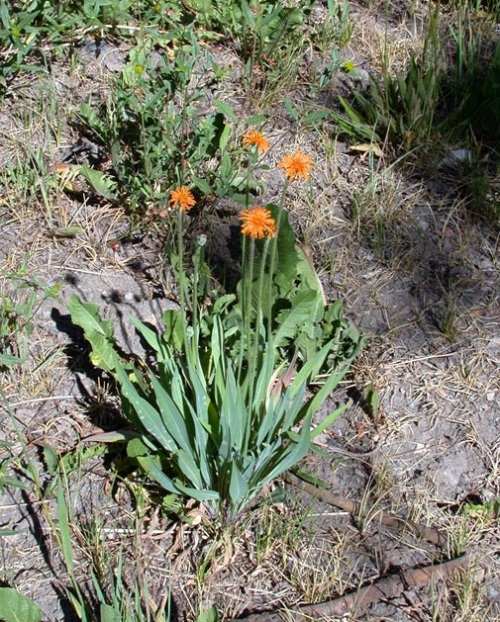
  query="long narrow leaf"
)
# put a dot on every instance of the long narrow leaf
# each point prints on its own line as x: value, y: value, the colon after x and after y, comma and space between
x: 152, y: 339
x: 189, y: 469
x: 173, y: 418
x: 147, y: 414
x: 62, y: 516
x: 156, y: 474
x: 238, y: 487
x: 327, y: 421
x: 293, y: 453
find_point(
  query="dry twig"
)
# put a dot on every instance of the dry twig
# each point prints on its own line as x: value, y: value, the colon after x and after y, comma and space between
x: 384, y: 589
x: 383, y: 518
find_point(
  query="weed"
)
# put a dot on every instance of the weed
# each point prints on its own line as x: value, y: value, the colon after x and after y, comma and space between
x: 258, y: 29
x: 26, y: 28
x: 112, y: 597
x: 216, y: 420
x: 17, y: 311
x: 399, y: 109
x: 153, y: 129
x: 6, y: 460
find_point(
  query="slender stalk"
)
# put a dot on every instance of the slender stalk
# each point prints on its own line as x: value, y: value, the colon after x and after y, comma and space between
x: 247, y: 309
x: 272, y: 264
x: 253, y: 362
x: 195, y: 302
x: 253, y: 161
x: 244, y: 269
x: 182, y: 282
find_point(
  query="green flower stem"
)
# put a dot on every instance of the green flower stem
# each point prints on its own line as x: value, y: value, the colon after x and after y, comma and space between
x: 196, y: 276
x: 262, y: 278
x: 182, y: 282
x: 272, y: 264
x: 247, y: 309
x: 243, y: 306
x: 254, y: 156
x: 253, y: 363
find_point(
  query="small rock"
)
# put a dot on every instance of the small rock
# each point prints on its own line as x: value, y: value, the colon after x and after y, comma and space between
x: 456, y: 158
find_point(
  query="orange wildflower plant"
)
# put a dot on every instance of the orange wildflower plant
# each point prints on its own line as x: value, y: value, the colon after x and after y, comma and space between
x: 258, y: 223
x: 297, y: 165
x: 182, y: 198
x: 253, y: 138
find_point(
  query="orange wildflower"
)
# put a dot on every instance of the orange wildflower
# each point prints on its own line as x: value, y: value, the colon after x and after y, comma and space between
x: 254, y: 138
x: 258, y: 223
x: 296, y: 165
x: 182, y: 198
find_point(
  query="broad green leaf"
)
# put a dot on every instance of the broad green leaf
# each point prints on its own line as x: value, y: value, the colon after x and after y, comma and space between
x: 304, y: 305
x: 66, y: 232
x: 109, y: 614
x: 308, y: 276
x: 372, y: 401
x: 312, y: 118
x: 294, y: 452
x: 226, y: 110
x: 156, y: 474
x: 86, y: 315
x: 98, y: 332
x: 152, y: 471
x: 287, y: 254
x: 293, y: 403
x: 208, y: 615
x: 200, y: 421
x: 257, y: 119
x: 101, y: 183
x: 319, y: 398
x: 103, y: 353
x: 311, y: 368
x: 189, y: 468
x: 89, y: 115
x: 116, y: 436
x: 174, y: 328
x: 292, y: 111
x: 15, y: 607
x: 264, y: 377
x: 226, y: 167
x: 233, y: 413
x: 9, y: 359
x: 137, y: 448
x: 202, y: 185
x: 51, y: 459
x: 266, y: 424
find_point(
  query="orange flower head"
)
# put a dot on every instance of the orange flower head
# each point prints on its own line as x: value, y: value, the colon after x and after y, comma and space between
x: 182, y: 198
x: 253, y: 138
x: 297, y: 165
x: 258, y: 222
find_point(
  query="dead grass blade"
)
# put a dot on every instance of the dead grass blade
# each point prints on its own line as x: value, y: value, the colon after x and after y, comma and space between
x: 383, y: 518
x: 386, y: 588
